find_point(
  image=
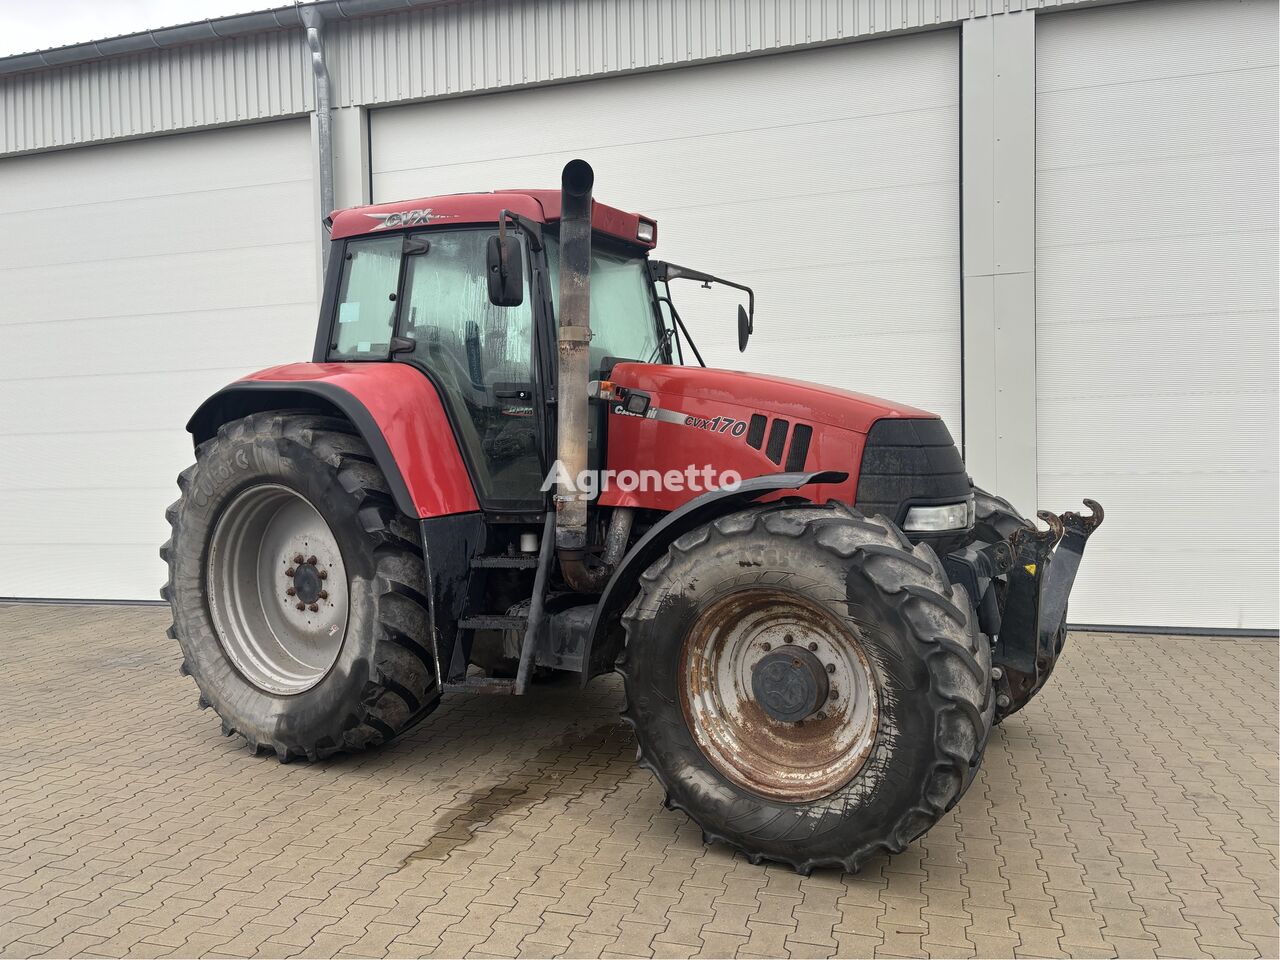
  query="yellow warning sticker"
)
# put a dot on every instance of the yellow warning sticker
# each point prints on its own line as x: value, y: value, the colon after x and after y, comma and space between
x: 1030, y: 568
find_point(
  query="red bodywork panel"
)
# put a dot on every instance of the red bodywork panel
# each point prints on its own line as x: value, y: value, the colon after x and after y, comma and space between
x: 407, y: 409
x: 541, y: 206
x: 713, y: 403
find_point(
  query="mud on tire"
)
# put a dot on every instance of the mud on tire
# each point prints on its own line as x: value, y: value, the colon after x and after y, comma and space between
x: 384, y: 678
x: 931, y: 666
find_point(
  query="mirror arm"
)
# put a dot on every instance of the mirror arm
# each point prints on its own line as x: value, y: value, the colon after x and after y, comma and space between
x: 675, y: 315
x: 502, y: 247
x: 666, y: 272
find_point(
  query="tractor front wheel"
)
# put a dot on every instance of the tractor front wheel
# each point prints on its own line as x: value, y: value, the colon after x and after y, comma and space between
x: 806, y: 685
x: 298, y: 590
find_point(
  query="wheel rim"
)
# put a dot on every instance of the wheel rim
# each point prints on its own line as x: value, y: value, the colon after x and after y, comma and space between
x: 277, y: 589
x: 749, y: 660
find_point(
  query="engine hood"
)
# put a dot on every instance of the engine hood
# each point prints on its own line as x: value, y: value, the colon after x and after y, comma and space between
x: 794, y: 399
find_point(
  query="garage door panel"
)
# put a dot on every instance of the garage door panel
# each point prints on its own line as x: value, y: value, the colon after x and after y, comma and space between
x: 143, y: 401
x: 110, y: 569
x: 1157, y: 275
x: 167, y: 284
x: 760, y: 238
x: 1153, y: 435
x: 1222, y: 44
x: 662, y: 176
x: 1168, y: 116
x: 249, y: 337
x: 147, y: 227
x: 761, y: 93
x: 1208, y: 195
x: 236, y: 158
x: 827, y: 180
x: 1109, y: 596
x: 119, y: 460
x: 138, y: 279
x: 1221, y: 371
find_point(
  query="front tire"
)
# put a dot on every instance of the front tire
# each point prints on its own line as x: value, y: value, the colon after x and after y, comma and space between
x: 850, y: 779
x: 298, y: 590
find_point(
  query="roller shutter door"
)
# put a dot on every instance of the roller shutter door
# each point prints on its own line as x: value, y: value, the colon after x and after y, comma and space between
x: 1157, y: 258
x: 137, y: 278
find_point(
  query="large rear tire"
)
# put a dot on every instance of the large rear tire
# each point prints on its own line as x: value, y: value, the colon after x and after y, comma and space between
x: 724, y: 638
x: 298, y: 590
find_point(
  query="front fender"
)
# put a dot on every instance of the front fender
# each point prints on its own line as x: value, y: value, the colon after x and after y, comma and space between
x: 395, y: 408
x: 605, y: 639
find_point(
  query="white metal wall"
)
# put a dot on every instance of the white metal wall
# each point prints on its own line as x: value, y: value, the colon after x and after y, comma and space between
x: 1157, y: 254
x: 828, y: 180
x: 135, y: 279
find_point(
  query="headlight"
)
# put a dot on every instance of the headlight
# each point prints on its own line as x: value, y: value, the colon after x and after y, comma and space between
x: 948, y: 516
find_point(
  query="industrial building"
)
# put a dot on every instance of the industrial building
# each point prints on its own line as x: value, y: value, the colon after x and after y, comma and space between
x: 1052, y: 223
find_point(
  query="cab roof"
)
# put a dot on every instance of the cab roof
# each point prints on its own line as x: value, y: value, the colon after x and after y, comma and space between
x: 540, y: 206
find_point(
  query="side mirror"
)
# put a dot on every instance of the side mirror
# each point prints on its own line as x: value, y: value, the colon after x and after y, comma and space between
x: 505, y: 271
x: 744, y: 328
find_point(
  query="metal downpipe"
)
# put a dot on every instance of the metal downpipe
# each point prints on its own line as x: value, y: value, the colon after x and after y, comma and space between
x: 313, y: 20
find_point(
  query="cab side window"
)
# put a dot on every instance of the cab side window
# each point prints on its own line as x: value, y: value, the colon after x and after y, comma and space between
x: 366, y: 300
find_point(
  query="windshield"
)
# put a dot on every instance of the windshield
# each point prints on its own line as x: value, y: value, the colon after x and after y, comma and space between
x: 623, y: 322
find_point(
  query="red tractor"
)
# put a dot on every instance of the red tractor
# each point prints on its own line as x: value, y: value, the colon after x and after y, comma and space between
x: 813, y: 657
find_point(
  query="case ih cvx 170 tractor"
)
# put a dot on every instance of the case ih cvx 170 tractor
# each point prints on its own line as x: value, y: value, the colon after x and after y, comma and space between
x: 812, y: 658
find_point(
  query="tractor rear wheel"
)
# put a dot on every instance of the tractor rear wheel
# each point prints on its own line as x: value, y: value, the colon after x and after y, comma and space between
x: 806, y: 685
x: 298, y: 590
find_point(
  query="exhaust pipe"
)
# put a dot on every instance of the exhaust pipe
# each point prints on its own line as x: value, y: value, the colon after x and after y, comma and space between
x: 574, y: 340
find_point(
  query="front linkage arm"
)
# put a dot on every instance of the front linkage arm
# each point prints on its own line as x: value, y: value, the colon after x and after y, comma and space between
x: 1041, y: 569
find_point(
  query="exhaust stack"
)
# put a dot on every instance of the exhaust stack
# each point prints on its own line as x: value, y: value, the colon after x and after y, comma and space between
x: 574, y: 341
x: 571, y: 400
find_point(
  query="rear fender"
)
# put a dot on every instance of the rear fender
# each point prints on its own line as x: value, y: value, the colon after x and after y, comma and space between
x: 395, y: 408
x: 605, y: 637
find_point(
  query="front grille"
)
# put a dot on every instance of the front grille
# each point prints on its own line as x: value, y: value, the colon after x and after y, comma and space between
x: 908, y: 462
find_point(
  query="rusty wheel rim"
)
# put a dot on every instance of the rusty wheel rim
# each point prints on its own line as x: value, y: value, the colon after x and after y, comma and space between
x: 792, y: 761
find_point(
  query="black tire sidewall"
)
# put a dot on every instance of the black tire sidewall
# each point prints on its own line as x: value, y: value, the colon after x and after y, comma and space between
x: 231, y: 463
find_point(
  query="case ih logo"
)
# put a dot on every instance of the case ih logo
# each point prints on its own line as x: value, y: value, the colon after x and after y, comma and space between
x: 405, y: 218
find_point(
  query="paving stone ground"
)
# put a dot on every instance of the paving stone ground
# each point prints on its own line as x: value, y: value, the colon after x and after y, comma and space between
x: 1130, y: 811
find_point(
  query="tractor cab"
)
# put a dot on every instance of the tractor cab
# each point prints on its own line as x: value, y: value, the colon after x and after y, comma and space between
x: 409, y: 282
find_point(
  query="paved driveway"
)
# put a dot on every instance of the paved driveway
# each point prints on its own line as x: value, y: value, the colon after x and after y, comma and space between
x: 1131, y: 810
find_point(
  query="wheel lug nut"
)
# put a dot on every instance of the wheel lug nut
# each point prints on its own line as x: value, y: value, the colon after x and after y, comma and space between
x: 834, y: 695
x: 831, y: 668
x: 297, y: 558
x: 767, y: 647
x: 324, y: 574
x: 813, y: 646
x: 314, y: 607
x: 312, y: 560
x: 290, y: 592
x: 301, y: 605
x: 290, y: 572
x: 324, y: 594
x: 789, y: 639
x: 821, y: 715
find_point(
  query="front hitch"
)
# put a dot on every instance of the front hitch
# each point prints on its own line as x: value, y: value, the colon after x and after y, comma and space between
x: 1040, y: 574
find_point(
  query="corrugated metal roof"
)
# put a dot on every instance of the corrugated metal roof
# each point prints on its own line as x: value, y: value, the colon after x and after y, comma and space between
x: 256, y: 66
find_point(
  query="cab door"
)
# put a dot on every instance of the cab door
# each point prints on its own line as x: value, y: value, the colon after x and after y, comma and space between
x: 430, y: 290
